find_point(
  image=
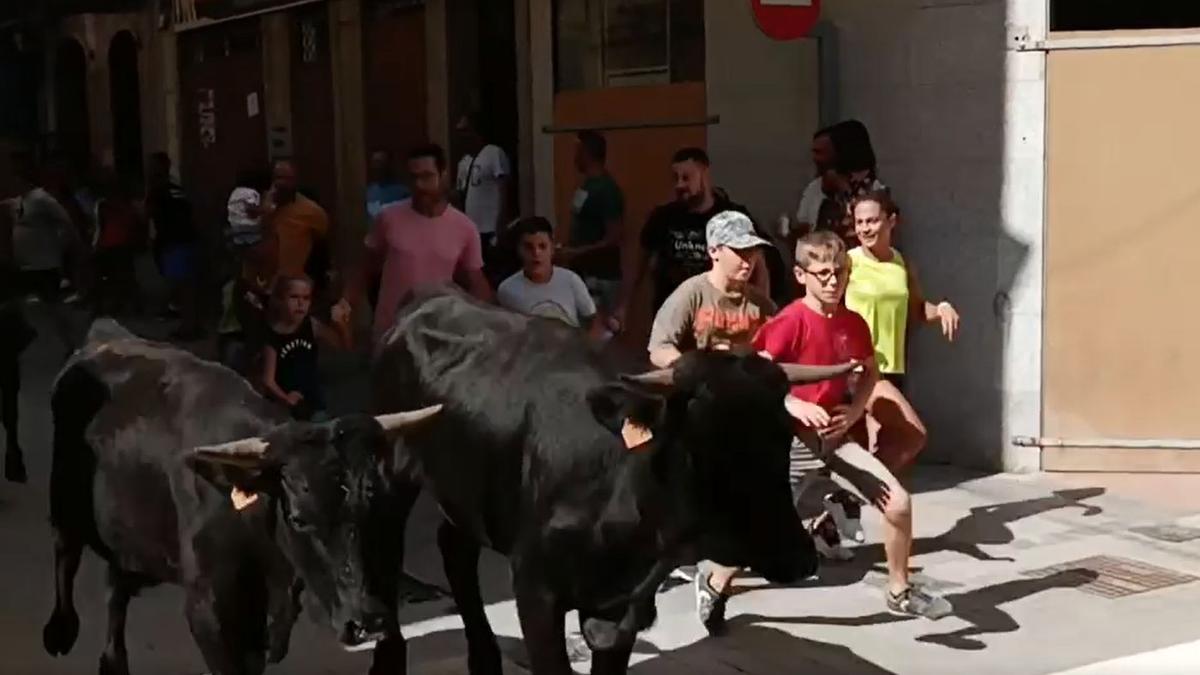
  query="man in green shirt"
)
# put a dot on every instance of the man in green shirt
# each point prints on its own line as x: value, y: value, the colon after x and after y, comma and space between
x: 597, y: 211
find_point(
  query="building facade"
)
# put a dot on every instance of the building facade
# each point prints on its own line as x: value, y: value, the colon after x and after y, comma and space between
x: 1040, y: 150
x: 224, y: 86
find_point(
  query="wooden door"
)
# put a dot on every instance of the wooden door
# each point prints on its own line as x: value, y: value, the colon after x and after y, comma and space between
x: 639, y: 159
x: 394, y: 78
x: 1121, y: 277
x: 223, y: 126
x: 312, y: 104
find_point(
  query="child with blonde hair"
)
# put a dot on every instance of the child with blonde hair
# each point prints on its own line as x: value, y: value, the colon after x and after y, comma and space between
x: 290, y: 371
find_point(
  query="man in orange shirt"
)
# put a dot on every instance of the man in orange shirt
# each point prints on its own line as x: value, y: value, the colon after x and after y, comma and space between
x: 295, y: 222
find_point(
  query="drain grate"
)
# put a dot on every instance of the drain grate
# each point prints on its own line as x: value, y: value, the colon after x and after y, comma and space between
x: 1175, y: 534
x: 1115, y: 577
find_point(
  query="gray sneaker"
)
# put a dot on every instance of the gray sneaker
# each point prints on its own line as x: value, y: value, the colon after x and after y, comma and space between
x: 914, y: 601
x: 710, y: 605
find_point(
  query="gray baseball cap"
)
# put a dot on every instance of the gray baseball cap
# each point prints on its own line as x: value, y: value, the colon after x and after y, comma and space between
x: 733, y: 229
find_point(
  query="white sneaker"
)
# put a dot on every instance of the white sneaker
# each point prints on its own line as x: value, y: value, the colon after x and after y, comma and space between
x: 829, y: 543
x: 848, y: 521
x: 835, y: 552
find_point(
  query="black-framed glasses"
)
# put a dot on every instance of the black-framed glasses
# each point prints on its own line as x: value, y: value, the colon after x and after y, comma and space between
x: 825, y: 276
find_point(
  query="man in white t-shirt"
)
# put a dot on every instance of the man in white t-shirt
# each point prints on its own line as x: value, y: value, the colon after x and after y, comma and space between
x: 42, y: 230
x: 541, y: 288
x: 823, y: 158
x: 481, y: 182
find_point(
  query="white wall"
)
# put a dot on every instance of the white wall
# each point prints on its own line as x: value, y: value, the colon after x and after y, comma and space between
x: 766, y: 93
x: 957, y: 122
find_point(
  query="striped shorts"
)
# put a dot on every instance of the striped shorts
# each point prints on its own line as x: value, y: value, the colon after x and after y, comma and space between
x: 847, y: 463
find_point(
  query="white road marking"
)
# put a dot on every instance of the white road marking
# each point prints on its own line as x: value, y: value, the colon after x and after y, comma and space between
x: 1183, y: 659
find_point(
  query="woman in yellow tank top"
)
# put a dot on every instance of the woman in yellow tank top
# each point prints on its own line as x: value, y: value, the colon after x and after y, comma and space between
x: 884, y: 290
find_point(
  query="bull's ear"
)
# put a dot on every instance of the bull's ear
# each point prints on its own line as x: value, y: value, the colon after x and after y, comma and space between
x: 615, y: 404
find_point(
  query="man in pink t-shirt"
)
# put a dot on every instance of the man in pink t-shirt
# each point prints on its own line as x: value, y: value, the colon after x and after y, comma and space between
x: 422, y: 241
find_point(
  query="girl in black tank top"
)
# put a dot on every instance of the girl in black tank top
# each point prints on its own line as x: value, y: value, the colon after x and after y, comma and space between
x: 290, y: 356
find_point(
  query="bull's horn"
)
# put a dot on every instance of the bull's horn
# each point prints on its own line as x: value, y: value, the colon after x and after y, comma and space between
x: 246, y: 453
x: 654, y: 378
x: 798, y: 374
x: 398, y: 421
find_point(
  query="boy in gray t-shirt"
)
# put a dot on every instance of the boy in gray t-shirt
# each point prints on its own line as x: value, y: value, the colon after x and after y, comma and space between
x: 718, y: 309
x: 541, y: 288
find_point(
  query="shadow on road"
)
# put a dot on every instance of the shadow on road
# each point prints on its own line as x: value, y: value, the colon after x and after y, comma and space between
x: 746, y: 649
x: 982, y: 526
x: 759, y: 649
x: 979, y: 607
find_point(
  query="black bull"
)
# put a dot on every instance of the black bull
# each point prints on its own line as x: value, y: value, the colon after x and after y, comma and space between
x: 527, y: 457
x: 137, y: 478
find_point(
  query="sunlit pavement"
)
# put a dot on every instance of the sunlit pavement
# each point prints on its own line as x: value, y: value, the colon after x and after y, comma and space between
x: 1047, y: 576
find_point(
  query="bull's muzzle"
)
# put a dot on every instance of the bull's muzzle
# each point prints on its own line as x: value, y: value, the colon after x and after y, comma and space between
x: 363, y: 635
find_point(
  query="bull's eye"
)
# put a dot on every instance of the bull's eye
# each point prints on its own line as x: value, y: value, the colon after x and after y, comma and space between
x: 298, y: 523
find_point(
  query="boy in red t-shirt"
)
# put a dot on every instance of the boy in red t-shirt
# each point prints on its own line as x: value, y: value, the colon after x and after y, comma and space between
x: 819, y: 330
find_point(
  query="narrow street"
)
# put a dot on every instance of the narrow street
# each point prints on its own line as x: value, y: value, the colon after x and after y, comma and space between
x: 1017, y: 555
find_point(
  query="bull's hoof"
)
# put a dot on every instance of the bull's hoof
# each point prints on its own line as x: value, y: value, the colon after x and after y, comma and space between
x: 14, y: 467
x: 600, y: 635
x: 391, y: 657
x: 60, y: 633
x: 278, y: 642
x: 111, y: 664
x: 484, y: 661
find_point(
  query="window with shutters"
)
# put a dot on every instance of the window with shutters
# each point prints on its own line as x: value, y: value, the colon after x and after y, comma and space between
x: 610, y: 43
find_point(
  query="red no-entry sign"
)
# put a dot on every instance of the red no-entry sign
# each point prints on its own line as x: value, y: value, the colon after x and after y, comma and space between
x: 786, y: 19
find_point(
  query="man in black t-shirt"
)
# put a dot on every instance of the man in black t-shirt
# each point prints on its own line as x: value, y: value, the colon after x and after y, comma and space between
x: 673, y: 237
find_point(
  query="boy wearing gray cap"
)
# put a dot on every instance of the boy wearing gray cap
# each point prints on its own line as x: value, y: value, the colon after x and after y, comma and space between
x: 717, y: 309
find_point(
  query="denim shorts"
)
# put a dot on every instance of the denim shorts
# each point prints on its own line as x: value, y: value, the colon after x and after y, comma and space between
x: 179, y: 262
x: 847, y: 463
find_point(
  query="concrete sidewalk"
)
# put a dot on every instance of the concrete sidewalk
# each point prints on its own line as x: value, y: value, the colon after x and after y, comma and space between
x: 1044, y: 578
x: 1019, y: 556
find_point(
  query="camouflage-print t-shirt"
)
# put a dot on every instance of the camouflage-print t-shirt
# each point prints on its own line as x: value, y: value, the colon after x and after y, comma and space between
x: 698, y: 316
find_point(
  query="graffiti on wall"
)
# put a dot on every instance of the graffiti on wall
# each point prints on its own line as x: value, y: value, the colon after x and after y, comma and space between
x: 206, y: 108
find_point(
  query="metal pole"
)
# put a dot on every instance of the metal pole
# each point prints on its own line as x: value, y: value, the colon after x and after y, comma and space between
x: 1120, y: 443
x: 1110, y: 42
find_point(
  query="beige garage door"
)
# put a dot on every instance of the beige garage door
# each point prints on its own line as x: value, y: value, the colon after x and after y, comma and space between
x: 1122, y: 359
